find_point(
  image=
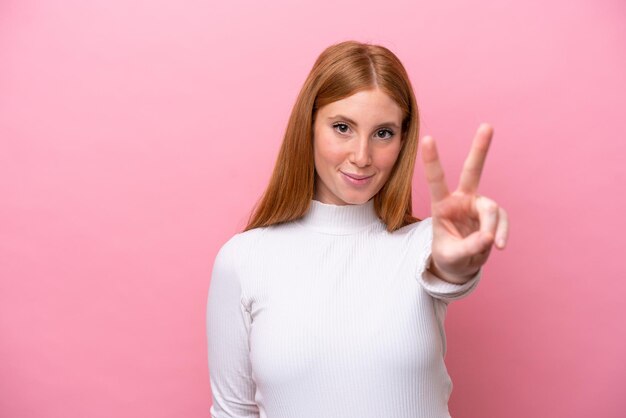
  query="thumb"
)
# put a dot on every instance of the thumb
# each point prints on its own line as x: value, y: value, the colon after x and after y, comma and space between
x: 478, y: 242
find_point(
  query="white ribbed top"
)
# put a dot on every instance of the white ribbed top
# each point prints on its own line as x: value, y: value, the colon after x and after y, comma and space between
x: 329, y: 316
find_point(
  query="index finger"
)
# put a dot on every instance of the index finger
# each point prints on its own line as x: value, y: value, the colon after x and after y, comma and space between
x: 473, y: 166
x: 435, y: 176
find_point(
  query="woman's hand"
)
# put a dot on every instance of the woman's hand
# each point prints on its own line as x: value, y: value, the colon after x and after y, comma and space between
x: 465, y: 224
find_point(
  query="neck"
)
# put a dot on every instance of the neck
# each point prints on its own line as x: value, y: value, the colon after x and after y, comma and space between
x: 339, y: 219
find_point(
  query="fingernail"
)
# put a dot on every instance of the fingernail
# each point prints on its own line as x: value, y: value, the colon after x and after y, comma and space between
x: 501, y: 242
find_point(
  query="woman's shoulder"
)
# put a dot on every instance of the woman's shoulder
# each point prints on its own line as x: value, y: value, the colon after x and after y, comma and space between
x: 239, y: 253
x: 233, y: 251
x: 240, y: 240
x: 419, y: 227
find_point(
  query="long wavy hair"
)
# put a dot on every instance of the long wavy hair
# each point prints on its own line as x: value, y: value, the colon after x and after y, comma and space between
x: 340, y: 71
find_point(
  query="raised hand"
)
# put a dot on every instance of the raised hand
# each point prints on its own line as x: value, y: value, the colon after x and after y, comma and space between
x: 465, y: 224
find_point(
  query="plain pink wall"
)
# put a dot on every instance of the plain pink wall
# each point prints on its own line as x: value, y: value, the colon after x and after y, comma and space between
x: 135, y: 136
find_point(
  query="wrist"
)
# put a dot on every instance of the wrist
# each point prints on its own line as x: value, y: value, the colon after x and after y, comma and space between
x: 448, y: 277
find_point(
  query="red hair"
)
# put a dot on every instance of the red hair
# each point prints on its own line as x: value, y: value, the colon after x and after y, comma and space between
x: 340, y: 71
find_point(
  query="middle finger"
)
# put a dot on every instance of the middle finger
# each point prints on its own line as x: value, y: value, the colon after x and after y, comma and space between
x: 473, y: 166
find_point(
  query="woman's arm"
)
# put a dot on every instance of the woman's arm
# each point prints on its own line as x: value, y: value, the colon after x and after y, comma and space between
x: 228, y: 325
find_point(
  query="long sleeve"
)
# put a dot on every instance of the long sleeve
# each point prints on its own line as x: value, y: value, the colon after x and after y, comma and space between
x: 228, y: 324
x: 434, y: 286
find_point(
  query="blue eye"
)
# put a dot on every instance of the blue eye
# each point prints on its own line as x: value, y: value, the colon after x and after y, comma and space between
x: 341, y: 127
x: 385, y: 131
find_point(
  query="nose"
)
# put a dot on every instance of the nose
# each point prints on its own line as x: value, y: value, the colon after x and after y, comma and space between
x: 360, y: 154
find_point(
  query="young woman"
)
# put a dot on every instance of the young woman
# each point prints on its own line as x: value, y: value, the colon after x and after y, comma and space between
x: 331, y: 302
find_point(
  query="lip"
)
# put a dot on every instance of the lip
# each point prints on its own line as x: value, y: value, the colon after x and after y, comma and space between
x: 359, y: 182
x: 356, y: 176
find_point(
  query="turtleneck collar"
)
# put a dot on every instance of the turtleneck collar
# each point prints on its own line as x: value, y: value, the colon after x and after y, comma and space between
x: 339, y: 219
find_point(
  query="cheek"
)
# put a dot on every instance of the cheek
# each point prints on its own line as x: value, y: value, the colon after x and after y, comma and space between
x: 388, y: 158
x: 326, y: 151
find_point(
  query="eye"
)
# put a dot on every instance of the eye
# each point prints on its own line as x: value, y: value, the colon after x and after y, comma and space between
x: 384, y: 133
x: 341, y: 127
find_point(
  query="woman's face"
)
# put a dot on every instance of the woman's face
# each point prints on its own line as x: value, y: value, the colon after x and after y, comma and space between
x: 356, y: 142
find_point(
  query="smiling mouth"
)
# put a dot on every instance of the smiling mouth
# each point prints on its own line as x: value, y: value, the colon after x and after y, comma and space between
x: 357, y: 182
x: 357, y: 177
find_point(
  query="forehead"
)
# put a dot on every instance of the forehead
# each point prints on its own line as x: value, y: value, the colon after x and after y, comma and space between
x: 367, y: 106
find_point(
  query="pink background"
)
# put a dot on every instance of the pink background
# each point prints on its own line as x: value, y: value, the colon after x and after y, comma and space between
x: 135, y: 136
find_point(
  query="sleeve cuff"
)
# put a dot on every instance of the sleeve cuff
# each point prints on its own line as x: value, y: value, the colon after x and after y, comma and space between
x: 441, y: 289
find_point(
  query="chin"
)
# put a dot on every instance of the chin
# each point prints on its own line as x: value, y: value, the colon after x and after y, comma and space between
x: 356, y: 200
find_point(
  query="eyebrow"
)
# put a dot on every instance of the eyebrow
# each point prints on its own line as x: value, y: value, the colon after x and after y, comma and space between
x: 347, y: 119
